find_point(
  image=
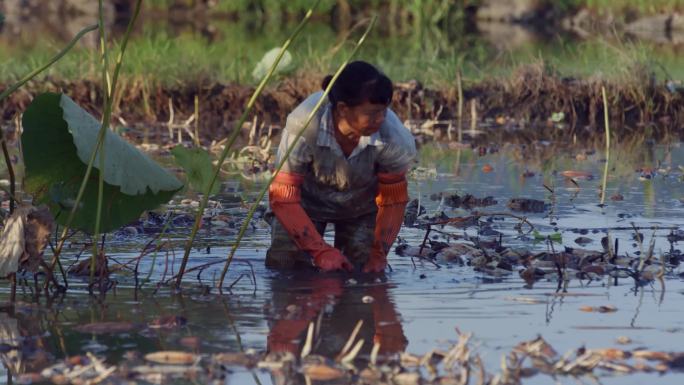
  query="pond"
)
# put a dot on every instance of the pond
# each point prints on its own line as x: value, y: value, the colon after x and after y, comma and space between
x: 418, y: 306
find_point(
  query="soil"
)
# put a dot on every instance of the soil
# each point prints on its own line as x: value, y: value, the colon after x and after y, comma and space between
x: 523, y: 104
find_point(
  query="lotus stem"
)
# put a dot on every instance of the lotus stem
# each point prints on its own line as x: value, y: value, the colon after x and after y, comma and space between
x: 107, y: 87
x: 197, y: 138
x: 106, y: 116
x: 231, y: 140
x: 262, y: 193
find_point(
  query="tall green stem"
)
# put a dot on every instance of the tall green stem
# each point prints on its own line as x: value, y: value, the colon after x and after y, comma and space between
x: 107, y: 87
x: 106, y: 116
x: 262, y: 193
x: 231, y: 140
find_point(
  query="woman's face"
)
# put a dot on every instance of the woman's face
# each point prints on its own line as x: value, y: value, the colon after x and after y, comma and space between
x: 364, y: 119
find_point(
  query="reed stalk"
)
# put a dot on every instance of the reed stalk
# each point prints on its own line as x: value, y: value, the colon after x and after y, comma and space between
x: 231, y: 141
x: 459, y: 113
x: 262, y: 193
x: 607, y: 130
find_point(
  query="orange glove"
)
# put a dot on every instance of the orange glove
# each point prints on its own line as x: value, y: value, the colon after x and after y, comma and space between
x: 391, y: 200
x: 285, y: 196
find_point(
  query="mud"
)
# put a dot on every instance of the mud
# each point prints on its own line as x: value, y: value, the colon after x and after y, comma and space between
x: 518, y: 106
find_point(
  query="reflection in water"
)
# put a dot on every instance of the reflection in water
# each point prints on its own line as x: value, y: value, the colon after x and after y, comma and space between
x: 299, y: 300
x: 23, y: 343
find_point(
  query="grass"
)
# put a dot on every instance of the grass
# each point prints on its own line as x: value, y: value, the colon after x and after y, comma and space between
x: 430, y: 55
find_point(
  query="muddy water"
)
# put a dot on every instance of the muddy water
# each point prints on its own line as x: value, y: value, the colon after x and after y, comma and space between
x: 415, y: 308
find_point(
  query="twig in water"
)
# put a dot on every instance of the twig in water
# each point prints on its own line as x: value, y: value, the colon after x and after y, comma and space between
x: 425, y: 238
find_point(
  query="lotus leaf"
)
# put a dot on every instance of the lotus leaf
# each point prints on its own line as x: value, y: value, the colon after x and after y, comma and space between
x: 58, y: 140
x: 198, y: 167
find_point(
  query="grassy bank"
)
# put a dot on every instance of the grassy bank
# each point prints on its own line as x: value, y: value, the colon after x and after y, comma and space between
x: 167, y: 58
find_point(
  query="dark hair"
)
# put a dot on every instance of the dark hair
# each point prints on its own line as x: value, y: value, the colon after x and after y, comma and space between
x: 359, y: 82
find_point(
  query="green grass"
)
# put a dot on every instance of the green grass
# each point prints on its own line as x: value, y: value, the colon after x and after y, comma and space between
x: 429, y: 54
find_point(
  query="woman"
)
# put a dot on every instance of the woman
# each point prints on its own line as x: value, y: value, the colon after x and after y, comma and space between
x: 348, y: 168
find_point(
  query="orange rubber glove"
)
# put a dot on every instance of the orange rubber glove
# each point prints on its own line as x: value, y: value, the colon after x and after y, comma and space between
x: 391, y: 200
x: 285, y: 196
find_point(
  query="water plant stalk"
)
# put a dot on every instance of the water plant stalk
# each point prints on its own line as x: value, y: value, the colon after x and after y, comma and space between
x: 106, y: 85
x: 459, y: 114
x: 607, y: 130
x: 197, y: 138
x: 100, y: 136
x: 262, y: 193
x: 52, y: 61
x: 231, y: 141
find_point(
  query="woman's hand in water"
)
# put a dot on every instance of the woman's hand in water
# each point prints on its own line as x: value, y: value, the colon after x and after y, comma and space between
x: 376, y: 263
x: 332, y: 259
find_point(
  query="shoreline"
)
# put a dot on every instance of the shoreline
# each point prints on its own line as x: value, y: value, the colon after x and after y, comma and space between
x: 528, y: 102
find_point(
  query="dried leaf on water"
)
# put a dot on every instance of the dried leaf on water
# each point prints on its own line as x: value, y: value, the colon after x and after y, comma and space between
x: 24, y: 238
x: 536, y: 347
x: 574, y: 174
x: 612, y: 353
x: 598, y: 309
x: 623, y: 340
x: 237, y: 359
x: 172, y: 357
x: 407, y: 378
x: 370, y: 375
x: 652, y: 355
x: 322, y: 372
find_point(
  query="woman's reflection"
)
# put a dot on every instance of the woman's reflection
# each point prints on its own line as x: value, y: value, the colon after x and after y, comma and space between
x: 301, y: 299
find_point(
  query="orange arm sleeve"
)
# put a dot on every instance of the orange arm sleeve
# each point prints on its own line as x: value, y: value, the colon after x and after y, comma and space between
x: 285, y: 195
x: 391, y: 200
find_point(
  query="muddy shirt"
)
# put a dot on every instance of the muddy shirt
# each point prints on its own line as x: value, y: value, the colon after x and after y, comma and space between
x: 335, y: 186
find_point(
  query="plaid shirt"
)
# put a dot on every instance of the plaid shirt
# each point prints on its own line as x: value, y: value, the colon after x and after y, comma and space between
x: 336, y: 186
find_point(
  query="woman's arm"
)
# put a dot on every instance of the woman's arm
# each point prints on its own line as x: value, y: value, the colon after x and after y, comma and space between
x: 285, y: 197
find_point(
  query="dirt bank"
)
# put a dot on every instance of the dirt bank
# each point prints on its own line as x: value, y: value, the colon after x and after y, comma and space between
x: 522, y: 103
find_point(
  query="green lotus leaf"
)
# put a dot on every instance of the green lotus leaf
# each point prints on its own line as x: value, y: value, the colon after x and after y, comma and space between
x: 57, y: 142
x: 198, y: 167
